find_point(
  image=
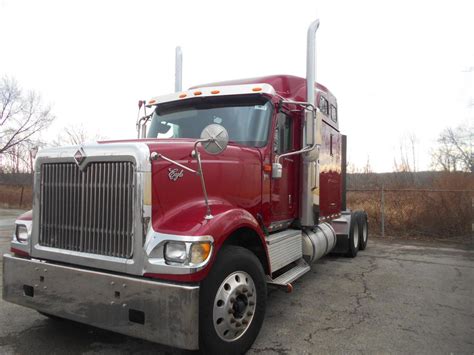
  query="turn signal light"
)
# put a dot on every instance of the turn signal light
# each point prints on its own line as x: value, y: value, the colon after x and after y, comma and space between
x: 197, y: 93
x: 200, y: 252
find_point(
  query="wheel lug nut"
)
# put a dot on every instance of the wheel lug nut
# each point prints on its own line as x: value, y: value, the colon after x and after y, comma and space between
x: 232, y: 320
x: 245, y: 322
x: 232, y: 299
x: 238, y: 324
x: 249, y: 313
x: 244, y: 290
x: 230, y: 311
x: 249, y: 294
x: 251, y: 303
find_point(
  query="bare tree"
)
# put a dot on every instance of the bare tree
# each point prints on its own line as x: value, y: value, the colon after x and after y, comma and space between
x: 75, y: 135
x: 407, y: 160
x: 367, y: 169
x: 454, y: 150
x: 22, y: 115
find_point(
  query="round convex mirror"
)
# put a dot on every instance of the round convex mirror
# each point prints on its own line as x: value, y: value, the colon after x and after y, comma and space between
x: 216, y: 139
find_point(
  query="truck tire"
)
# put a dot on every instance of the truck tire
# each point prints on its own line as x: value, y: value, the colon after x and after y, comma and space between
x: 232, y: 302
x: 354, y: 239
x: 363, y: 230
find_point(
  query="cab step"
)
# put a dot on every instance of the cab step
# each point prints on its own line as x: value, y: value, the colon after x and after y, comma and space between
x: 285, y: 280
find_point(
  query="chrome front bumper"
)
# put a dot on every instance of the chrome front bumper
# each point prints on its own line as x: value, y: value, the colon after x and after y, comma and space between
x: 156, y: 311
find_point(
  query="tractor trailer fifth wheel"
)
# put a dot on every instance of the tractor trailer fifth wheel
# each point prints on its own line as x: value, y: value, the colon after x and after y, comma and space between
x: 174, y: 236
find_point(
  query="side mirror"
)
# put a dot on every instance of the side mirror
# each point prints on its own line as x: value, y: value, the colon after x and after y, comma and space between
x: 310, y: 117
x: 214, y: 139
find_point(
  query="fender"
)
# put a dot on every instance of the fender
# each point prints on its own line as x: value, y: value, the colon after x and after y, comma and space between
x: 226, y: 220
x: 27, y: 216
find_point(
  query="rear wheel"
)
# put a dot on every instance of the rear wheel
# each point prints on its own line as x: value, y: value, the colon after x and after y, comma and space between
x: 354, y: 235
x: 232, y: 302
x: 363, y: 230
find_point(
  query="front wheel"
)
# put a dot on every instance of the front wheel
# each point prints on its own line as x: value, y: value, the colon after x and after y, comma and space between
x: 232, y: 302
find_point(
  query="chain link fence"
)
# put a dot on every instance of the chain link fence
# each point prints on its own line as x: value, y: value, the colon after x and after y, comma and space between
x: 416, y: 212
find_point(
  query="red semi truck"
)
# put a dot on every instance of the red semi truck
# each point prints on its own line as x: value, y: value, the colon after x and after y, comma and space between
x: 174, y: 237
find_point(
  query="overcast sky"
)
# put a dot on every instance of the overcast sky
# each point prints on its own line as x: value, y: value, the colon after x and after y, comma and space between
x: 397, y: 68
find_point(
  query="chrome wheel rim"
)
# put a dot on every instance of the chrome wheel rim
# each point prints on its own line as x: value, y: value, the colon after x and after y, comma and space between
x: 356, y: 236
x: 234, y: 306
x: 364, y: 232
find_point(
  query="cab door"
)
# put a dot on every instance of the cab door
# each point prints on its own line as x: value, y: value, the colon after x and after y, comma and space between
x: 283, y: 190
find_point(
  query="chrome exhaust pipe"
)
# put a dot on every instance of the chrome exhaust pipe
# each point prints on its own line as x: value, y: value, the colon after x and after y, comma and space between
x: 310, y: 167
x: 178, y: 74
x: 311, y: 62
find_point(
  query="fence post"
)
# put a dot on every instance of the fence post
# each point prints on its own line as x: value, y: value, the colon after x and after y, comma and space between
x: 382, y: 207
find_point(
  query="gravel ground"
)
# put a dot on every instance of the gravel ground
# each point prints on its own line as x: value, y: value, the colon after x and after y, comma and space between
x: 415, y: 297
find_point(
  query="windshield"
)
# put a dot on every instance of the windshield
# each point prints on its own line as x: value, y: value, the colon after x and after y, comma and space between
x: 246, y: 118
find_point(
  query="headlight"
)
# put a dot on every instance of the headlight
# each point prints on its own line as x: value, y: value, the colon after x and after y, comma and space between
x: 200, y: 252
x: 21, y: 233
x: 175, y: 252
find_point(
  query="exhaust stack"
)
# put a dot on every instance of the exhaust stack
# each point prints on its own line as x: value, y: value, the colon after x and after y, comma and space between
x: 310, y: 204
x: 178, y: 74
x: 311, y: 62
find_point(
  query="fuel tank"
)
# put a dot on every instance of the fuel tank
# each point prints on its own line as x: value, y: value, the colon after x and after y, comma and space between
x: 318, y: 242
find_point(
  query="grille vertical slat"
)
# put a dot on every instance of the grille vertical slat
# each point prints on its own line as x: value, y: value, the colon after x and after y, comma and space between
x: 121, y: 221
x: 94, y: 194
x: 88, y: 211
x: 114, y: 211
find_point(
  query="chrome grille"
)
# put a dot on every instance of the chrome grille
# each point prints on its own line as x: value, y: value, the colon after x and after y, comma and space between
x: 88, y: 211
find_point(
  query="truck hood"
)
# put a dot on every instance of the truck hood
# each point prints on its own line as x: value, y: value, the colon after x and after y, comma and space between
x: 233, y: 180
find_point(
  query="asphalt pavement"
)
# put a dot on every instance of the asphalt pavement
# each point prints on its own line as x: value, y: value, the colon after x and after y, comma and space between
x: 408, y: 297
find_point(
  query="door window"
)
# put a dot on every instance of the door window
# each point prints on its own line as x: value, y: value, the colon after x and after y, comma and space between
x: 283, y: 135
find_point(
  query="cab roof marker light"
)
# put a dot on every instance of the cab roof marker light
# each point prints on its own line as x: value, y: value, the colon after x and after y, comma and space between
x: 182, y: 96
x: 214, y: 92
x: 261, y: 88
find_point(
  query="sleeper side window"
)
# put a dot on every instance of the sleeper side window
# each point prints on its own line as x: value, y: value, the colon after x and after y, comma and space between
x: 323, y: 105
x: 333, y: 113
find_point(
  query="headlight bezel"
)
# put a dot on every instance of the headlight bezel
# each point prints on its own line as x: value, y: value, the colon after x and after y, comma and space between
x: 191, y: 253
x: 21, y: 233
